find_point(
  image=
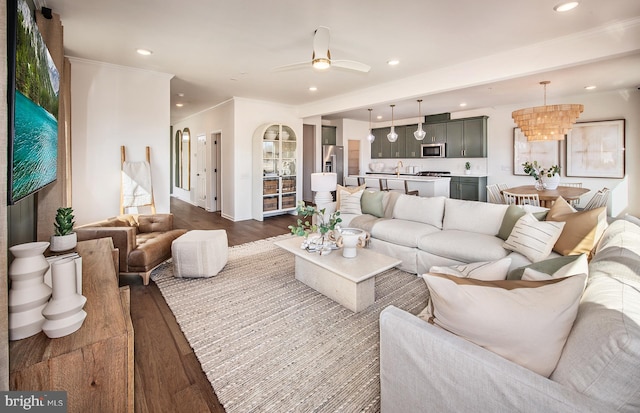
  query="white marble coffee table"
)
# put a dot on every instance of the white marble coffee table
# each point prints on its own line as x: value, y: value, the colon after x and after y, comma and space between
x: 348, y: 281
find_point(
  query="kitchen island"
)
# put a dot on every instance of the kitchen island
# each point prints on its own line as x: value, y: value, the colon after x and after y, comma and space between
x: 425, y: 185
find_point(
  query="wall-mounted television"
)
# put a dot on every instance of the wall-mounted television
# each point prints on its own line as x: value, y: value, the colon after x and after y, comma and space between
x: 33, y: 91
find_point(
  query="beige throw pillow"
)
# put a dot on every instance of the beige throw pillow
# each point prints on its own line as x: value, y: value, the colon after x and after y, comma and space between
x: 532, y: 238
x: 582, y: 231
x: 527, y: 322
x: 344, y: 203
x: 486, y: 270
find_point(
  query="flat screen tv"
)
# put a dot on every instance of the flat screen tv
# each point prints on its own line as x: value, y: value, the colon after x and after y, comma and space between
x: 33, y: 87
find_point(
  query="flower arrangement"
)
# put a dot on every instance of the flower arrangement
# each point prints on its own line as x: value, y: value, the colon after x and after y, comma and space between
x: 535, y: 170
x: 323, y: 223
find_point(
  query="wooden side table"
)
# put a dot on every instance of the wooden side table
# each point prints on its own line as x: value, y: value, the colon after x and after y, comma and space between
x: 94, y: 365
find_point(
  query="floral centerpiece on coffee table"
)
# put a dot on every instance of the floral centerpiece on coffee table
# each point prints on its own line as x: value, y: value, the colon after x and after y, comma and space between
x: 322, y: 226
x: 541, y: 174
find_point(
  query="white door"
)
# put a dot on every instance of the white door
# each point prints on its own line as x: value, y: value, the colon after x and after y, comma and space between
x: 201, y: 171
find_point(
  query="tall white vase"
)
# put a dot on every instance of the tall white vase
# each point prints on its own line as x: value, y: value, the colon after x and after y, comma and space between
x: 28, y: 294
x: 64, y: 314
x: 349, y: 240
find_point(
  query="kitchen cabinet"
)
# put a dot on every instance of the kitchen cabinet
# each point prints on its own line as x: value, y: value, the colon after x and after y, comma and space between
x: 412, y: 145
x: 435, y: 132
x: 469, y: 188
x: 467, y: 138
x: 376, y: 145
x: 275, y: 171
x: 329, y: 135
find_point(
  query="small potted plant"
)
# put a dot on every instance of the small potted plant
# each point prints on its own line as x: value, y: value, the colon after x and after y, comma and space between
x: 322, y: 226
x: 64, y: 238
x: 467, y: 168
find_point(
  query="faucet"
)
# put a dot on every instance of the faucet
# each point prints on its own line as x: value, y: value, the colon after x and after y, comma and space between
x: 398, y: 168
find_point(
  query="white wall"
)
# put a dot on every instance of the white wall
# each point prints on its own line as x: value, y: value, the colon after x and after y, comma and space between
x: 217, y: 119
x: 237, y: 120
x: 625, y: 196
x: 114, y: 106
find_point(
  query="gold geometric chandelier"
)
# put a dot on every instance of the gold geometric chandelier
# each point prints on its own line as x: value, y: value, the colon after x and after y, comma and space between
x: 548, y: 122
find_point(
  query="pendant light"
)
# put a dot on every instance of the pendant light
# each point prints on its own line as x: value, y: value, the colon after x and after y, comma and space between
x: 370, y: 137
x: 419, y: 134
x: 392, y: 136
x: 548, y: 122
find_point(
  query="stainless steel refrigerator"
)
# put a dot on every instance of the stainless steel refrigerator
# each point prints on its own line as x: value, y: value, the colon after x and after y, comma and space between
x: 333, y: 161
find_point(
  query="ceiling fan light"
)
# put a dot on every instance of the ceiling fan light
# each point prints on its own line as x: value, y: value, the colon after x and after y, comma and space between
x: 321, y: 63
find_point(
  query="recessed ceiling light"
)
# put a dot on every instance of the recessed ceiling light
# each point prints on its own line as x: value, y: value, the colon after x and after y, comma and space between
x: 379, y: 117
x: 144, y: 52
x: 313, y: 88
x: 393, y: 62
x: 463, y: 104
x: 590, y: 87
x: 566, y: 6
x: 181, y: 94
x: 179, y: 105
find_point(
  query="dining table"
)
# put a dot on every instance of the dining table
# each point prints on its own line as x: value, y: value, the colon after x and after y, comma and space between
x: 548, y: 196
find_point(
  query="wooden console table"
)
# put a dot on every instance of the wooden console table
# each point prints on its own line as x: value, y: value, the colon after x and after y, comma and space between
x: 94, y: 365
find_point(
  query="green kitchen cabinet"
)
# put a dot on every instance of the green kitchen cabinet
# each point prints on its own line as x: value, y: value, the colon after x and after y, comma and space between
x: 435, y: 132
x: 411, y: 144
x: 376, y: 145
x: 467, y: 138
x: 329, y: 135
x: 469, y: 188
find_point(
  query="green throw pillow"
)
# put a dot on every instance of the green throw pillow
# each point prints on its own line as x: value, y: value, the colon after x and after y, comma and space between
x: 511, y: 216
x: 547, y: 266
x: 371, y: 203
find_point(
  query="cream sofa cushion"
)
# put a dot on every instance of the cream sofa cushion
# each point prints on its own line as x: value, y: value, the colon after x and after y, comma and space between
x: 401, y: 232
x: 420, y: 209
x: 527, y: 322
x: 463, y: 246
x: 485, y: 270
x: 481, y: 217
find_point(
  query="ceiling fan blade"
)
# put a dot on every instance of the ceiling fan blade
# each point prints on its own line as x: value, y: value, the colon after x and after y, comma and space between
x: 292, y: 66
x: 351, y: 65
x: 321, y: 43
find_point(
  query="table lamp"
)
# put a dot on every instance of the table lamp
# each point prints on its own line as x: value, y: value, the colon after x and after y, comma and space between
x: 322, y: 183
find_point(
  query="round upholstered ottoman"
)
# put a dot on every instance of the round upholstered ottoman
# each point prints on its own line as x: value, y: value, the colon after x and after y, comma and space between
x: 199, y: 253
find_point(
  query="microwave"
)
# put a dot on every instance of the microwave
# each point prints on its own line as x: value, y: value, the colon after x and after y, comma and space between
x: 433, y: 150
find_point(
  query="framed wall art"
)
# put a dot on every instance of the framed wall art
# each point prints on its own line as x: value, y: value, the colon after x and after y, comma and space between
x: 547, y: 153
x: 596, y: 149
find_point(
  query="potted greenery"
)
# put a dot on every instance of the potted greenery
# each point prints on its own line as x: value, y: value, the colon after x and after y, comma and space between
x: 545, y: 178
x: 467, y: 168
x: 64, y: 238
x: 322, y: 225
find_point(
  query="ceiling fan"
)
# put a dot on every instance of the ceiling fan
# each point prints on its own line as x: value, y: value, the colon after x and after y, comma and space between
x: 321, y: 57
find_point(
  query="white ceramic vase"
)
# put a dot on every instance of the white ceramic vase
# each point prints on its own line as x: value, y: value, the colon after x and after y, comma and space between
x: 63, y: 242
x: 28, y: 294
x: 349, y: 240
x: 64, y: 314
x: 551, y: 183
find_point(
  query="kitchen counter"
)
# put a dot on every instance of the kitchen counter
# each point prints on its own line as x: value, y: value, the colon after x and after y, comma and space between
x: 426, y: 186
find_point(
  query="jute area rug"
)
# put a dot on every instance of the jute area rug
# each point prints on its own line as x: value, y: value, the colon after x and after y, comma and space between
x: 269, y: 343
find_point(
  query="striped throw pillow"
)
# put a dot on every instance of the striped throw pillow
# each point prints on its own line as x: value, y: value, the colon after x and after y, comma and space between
x: 532, y: 238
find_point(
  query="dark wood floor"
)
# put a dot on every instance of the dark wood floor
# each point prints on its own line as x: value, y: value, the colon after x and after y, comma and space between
x: 168, y: 376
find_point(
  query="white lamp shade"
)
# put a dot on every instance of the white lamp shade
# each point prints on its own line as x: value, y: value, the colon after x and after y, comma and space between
x: 324, y: 181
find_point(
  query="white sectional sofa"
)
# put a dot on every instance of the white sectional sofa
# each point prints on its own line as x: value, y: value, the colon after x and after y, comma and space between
x: 424, y: 368
x: 438, y: 231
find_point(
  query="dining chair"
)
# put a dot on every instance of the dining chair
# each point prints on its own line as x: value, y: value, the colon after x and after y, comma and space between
x: 350, y: 181
x: 494, y: 193
x: 600, y: 199
x: 521, y: 199
x: 574, y: 202
x: 384, y: 184
x: 502, y: 186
